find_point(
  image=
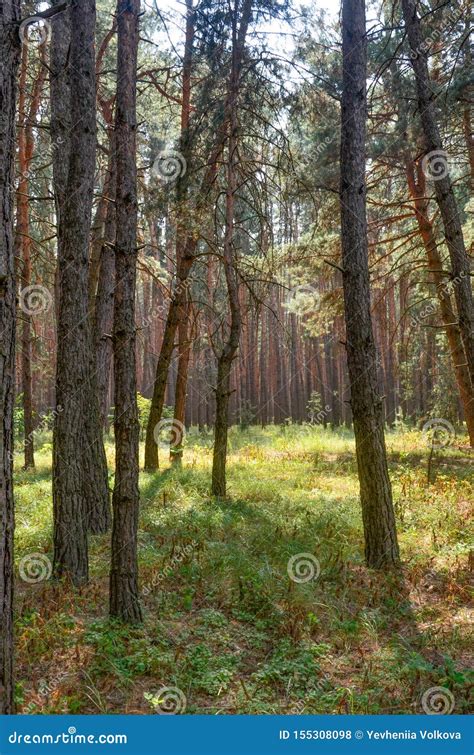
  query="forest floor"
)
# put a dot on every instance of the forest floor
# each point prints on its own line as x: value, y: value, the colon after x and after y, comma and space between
x: 224, y: 623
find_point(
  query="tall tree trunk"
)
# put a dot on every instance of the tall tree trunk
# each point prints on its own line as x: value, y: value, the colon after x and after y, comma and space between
x: 442, y: 183
x: 467, y: 97
x: 23, y: 240
x: 124, y: 600
x: 417, y: 189
x: 381, y: 547
x: 9, y: 62
x: 80, y: 492
x: 23, y: 254
x: 184, y: 345
x: 104, y: 300
x: 224, y: 365
x: 262, y: 363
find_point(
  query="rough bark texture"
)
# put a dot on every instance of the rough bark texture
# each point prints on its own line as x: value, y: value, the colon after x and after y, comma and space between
x: 184, y: 342
x: 166, y: 352
x: 26, y: 120
x: 124, y: 602
x: 224, y: 364
x: 184, y: 351
x: 80, y: 495
x: 104, y: 300
x: 417, y: 188
x: 381, y: 547
x: 442, y: 184
x: 9, y: 62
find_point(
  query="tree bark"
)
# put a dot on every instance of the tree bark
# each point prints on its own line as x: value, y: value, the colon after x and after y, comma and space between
x: 124, y: 598
x: 26, y: 120
x: 417, y: 187
x: 104, y: 300
x: 9, y: 62
x: 80, y: 488
x: 381, y: 547
x: 442, y: 184
x: 23, y: 240
x: 184, y: 344
x: 224, y: 365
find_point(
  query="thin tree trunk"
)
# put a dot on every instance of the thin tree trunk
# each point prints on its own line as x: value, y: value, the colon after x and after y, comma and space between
x: 124, y: 600
x: 23, y: 244
x: 458, y: 356
x: 23, y: 240
x: 184, y: 349
x: 224, y: 365
x: 263, y: 361
x: 381, y: 547
x: 442, y: 184
x: 184, y: 266
x: 184, y: 345
x: 104, y: 300
x: 467, y: 97
x: 9, y: 62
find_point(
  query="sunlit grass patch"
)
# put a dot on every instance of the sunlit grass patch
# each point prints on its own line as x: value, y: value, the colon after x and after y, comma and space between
x: 224, y: 622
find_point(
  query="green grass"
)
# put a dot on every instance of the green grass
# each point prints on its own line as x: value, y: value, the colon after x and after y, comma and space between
x: 223, y: 621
